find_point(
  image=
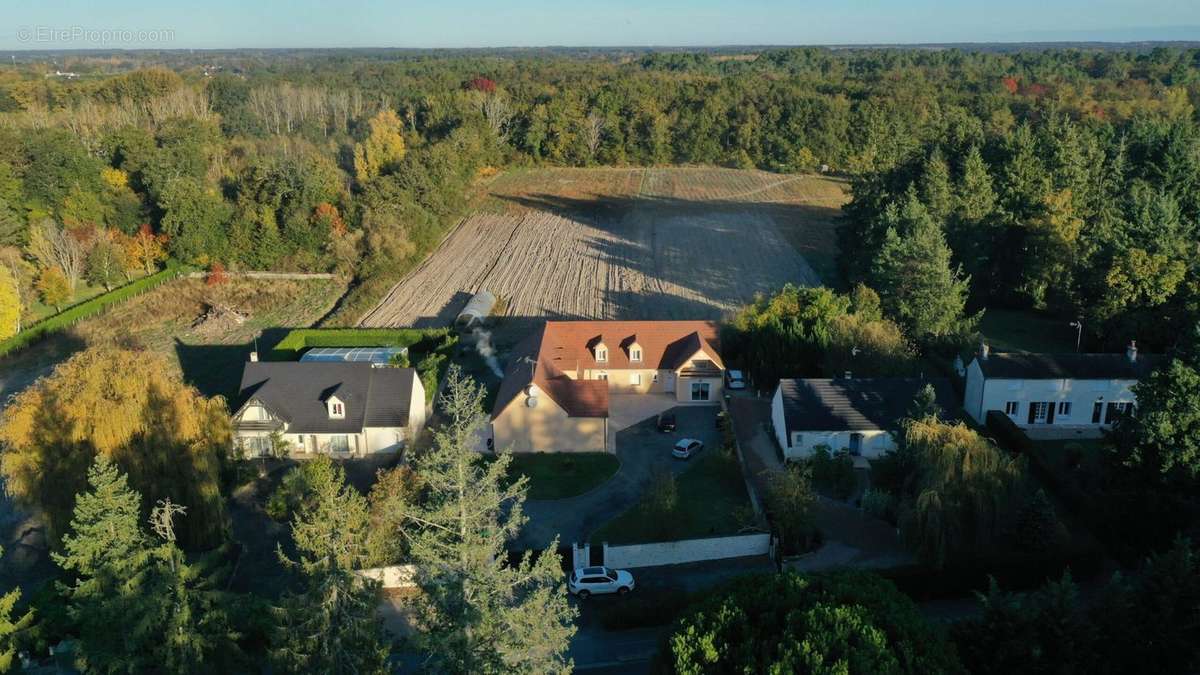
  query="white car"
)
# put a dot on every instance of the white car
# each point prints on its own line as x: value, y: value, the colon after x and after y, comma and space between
x: 586, y: 581
x: 686, y: 447
x: 735, y: 379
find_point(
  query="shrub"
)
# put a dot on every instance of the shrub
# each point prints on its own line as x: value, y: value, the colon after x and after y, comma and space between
x: 880, y: 504
x: 833, y: 472
x: 1007, y: 433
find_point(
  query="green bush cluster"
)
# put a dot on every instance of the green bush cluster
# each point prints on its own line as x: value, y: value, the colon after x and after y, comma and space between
x: 833, y: 472
x: 89, y: 308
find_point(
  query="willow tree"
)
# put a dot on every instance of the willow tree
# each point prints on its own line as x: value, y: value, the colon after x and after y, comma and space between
x: 962, y: 489
x: 128, y: 406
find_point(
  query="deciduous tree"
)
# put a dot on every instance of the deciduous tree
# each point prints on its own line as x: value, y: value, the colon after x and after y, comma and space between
x: 54, y: 288
x: 10, y: 304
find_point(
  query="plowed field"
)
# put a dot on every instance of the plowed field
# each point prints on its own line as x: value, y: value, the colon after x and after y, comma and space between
x: 675, y: 243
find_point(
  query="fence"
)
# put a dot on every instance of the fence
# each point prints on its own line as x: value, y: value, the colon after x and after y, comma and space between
x: 687, y: 551
x: 393, y: 576
x: 90, y: 308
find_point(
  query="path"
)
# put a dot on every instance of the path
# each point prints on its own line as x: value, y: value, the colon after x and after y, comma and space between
x: 852, y: 538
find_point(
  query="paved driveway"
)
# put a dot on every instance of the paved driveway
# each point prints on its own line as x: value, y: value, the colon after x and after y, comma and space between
x: 852, y: 538
x: 640, y: 448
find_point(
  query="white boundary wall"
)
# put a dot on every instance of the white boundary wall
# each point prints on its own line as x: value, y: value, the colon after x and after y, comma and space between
x: 686, y: 551
x: 394, y: 576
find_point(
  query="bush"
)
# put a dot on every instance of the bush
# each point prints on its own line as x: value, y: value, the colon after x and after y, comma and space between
x: 296, y: 341
x: 880, y: 504
x: 833, y: 472
x: 1007, y: 433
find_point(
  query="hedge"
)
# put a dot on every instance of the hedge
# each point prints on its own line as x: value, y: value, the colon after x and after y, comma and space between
x: 90, y: 308
x: 430, y: 348
x: 1007, y: 433
x: 289, y: 348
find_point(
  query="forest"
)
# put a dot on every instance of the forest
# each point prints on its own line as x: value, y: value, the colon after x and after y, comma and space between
x: 1062, y: 180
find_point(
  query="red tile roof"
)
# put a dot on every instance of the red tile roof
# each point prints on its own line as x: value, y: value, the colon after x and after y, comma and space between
x: 569, y: 346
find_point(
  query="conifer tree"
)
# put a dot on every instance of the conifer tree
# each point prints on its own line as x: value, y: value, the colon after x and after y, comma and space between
x: 936, y: 192
x: 915, y: 280
x: 331, y: 626
x: 10, y: 626
x: 481, y: 614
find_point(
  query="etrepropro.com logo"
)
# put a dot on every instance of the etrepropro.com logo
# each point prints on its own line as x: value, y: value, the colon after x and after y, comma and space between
x: 80, y: 35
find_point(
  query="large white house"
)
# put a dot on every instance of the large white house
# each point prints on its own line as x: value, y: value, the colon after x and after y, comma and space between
x: 336, y: 408
x: 858, y: 415
x: 1082, y: 391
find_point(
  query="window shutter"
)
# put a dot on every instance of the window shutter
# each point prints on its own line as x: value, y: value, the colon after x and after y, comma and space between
x: 1032, y: 411
x: 1050, y: 412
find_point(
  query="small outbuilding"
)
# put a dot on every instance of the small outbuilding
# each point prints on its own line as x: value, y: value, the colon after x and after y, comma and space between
x: 476, y: 310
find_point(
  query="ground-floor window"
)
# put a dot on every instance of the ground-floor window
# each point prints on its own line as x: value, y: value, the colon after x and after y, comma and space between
x: 1011, y: 408
x: 339, y: 443
x: 1064, y: 408
x: 635, y: 379
x: 256, y: 446
x: 699, y: 391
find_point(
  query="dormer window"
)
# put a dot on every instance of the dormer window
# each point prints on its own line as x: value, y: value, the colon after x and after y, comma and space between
x: 337, y: 409
x: 635, y: 353
x: 601, y: 353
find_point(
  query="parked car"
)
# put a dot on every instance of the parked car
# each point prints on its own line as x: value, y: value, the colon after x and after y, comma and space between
x: 686, y: 447
x: 587, y: 581
x: 734, y: 379
x: 666, y: 422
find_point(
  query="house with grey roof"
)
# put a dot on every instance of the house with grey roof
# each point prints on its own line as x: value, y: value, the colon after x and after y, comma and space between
x: 857, y: 415
x: 1046, y: 393
x: 343, y: 409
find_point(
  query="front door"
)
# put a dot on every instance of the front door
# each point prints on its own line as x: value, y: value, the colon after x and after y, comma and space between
x: 669, y: 383
x: 856, y: 444
x: 1038, y: 411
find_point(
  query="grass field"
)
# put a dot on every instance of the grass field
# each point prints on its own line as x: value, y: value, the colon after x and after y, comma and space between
x: 560, y: 475
x: 712, y: 502
x: 209, y: 354
x: 626, y: 243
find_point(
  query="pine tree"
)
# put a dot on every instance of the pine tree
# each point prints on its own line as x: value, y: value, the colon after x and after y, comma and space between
x: 332, y: 625
x: 10, y: 626
x: 936, y: 192
x: 481, y: 615
x: 915, y: 281
x: 976, y: 195
x: 170, y: 616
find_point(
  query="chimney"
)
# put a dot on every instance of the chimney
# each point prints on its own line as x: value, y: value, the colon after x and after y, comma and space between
x: 253, y: 357
x: 1131, y: 351
x: 984, y: 350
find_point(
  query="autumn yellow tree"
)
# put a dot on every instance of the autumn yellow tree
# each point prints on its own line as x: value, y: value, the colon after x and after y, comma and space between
x: 10, y: 304
x: 127, y: 405
x: 383, y: 148
x: 53, y: 287
x: 145, y: 249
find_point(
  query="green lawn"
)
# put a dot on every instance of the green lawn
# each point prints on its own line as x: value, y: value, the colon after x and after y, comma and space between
x: 712, y: 502
x: 1009, y: 330
x: 558, y: 475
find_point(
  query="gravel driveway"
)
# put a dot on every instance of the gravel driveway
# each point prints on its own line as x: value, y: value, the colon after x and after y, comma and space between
x: 640, y: 448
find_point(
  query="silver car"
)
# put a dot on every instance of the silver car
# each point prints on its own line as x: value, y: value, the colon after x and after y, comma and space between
x: 586, y: 581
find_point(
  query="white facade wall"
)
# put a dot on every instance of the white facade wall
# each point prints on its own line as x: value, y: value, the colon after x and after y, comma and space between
x: 393, y: 576
x: 800, y: 444
x: 686, y: 551
x: 984, y: 394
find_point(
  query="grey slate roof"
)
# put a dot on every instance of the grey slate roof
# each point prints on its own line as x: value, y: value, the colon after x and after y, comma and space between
x: 1025, y: 366
x: 297, y: 391
x: 856, y: 404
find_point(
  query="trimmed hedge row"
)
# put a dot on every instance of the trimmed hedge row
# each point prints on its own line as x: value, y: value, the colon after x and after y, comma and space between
x: 289, y: 348
x: 90, y: 308
x: 430, y: 349
x: 1007, y: 433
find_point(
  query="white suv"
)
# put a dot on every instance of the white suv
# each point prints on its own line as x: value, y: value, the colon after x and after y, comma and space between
x: 588, y: 580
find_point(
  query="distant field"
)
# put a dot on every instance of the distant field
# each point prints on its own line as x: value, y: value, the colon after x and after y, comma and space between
x: 210, y: 354
x: 626, y: 243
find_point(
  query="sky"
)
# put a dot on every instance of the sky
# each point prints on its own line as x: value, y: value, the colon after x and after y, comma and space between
x: 219, y: 24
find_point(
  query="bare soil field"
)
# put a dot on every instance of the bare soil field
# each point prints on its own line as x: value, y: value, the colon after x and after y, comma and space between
x: 678, y: 243
x: 178, y: 318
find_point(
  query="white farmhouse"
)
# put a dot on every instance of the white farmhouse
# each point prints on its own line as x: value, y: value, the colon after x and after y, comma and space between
x: 1079, y: 392
x: 342, y: 409
x: 853, y: 414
